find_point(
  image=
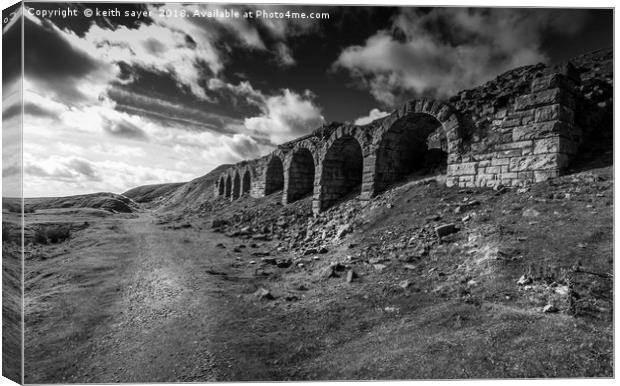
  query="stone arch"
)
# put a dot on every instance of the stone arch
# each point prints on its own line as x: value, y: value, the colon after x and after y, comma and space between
x: 341, y: 170
x: 274, y: 175
x: 221, y: 189
x: 246, y: 183
x: 236, y: 185
x: 417, y: 137
x: 300, y: 173
x: 228, y: 188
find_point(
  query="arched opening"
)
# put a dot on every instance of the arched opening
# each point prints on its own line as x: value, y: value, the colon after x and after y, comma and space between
x: 300, y: 175
x: 342, y: 171
x: 247, y: 182
x: 414, y: 145
x: 274, y: 179
x: 236, y: 191
x: 221, y: 188
x: 228, y: 186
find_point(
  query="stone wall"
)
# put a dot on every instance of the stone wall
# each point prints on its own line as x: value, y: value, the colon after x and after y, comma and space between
x: 530, y: 139
x: 519, y: 128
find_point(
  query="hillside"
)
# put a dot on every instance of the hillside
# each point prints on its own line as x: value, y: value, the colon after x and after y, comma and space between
x: 106, y: 201
x: 177, y: 196
x: 514, y: 282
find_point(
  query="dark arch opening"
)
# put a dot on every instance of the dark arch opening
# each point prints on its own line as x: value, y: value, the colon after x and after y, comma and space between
x: 274, y: 180
x: 343, y: 167
x: 415, y: 144
x: 236, y: 191
x: 300, y: 175
x: 228, y: 186
x: 247, y: 182
x: 220, y: 187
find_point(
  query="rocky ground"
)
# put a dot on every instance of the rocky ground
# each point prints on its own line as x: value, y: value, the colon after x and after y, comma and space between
x: 421, y: 282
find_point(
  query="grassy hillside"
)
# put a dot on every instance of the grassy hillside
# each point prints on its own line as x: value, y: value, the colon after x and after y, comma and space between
x: 177, y: 196
x: 106, y: 201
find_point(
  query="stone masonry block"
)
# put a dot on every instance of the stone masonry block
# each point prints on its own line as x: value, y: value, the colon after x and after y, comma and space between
x: 500, y: 161
x: 539, y: 130
x: 515, y: 145
x: 553, y: 112
x: 534, y: 162
x: 550, y: 81
x: 547, y: 145
x: 461, y: 169
x: 541, y: 98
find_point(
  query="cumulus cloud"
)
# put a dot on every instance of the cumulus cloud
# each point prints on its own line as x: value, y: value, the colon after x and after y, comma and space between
x: 156, y: 47
x: 60, y: 168
x: 373, y: 115
x: 438, y: 52
x: 55, y: 66
x: 123, y: 128
x: 285, y: 117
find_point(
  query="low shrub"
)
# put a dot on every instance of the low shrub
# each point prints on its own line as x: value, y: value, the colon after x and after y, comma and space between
x: 52, y: 234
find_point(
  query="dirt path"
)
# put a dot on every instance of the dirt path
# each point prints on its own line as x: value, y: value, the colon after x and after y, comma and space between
x: 161, y: 332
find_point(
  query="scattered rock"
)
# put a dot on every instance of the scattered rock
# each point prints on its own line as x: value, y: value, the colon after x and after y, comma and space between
x: 351, y: 275
x: 263, y: 293
x: 343, y: 231
x: 379, y: 267
x: 524, y: 280
x: 531, y: 212
x: 446, y: 229
x: 328, y: 272
x: 550, y: 308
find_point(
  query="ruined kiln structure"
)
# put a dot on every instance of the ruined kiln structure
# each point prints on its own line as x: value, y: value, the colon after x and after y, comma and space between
x: 517, y: 129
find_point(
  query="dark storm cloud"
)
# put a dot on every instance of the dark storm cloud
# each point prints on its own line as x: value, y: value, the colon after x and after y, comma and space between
x: 123, y: 129
x: 38, y: 111
x: 439, y: 51
x: 80, y: 25
x: 11, y: 48
x: 168, y: 113
x: 13, y: 110
x: 55, y: 64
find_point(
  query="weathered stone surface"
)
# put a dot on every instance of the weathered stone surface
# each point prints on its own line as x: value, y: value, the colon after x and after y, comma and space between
x: 541, y: 98
x: 533, y: 162
x: 445, y: 229
x: 515, y: 129
x: 465, y: 168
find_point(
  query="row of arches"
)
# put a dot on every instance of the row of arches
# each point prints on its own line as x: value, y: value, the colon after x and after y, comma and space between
x: 357, y: 160
x: 234, y: 186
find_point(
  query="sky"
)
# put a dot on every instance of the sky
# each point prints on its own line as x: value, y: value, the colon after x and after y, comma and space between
x: 114, y: 102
